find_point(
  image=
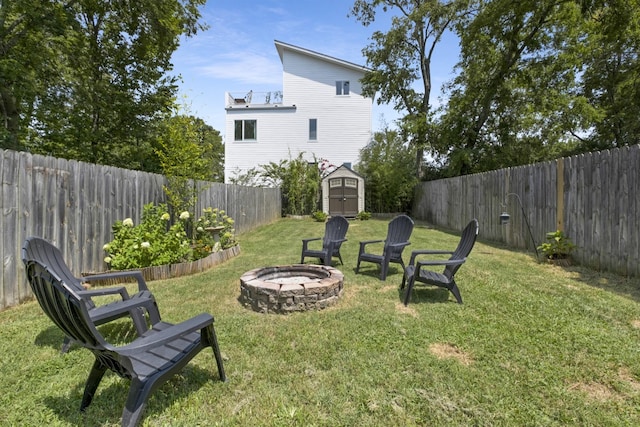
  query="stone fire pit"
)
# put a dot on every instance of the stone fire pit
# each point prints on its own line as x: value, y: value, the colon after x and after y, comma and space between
x: 285, y: 289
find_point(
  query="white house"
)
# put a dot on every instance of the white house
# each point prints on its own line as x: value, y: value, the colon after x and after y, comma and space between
x: 319, y: 112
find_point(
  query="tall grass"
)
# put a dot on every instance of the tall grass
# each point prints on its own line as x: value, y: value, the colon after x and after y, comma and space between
x: 533, y: 344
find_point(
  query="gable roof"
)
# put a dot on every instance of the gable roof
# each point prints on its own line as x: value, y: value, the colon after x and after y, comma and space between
x: 281, y: 47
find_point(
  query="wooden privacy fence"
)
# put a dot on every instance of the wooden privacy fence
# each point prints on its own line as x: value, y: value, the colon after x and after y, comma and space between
x: 74, y: 205
x: 592, y: 197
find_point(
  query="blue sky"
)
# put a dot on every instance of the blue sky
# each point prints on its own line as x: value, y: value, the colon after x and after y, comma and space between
x: 237, y: 53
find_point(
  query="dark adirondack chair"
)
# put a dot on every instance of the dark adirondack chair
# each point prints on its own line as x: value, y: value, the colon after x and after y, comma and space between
x: 147, y: 361
x: 398, y: 234
x: 334, y: 235
x: 417, y: 270
x: 42, y: 251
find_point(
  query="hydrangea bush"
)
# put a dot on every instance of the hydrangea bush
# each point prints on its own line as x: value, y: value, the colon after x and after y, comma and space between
x: 212, y: 223
x: 155, y: 242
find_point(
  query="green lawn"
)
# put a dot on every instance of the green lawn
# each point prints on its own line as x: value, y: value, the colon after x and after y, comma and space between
x: 533, y: 344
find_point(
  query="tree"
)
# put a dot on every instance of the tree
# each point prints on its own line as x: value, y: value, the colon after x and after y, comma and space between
x: 110, y: 63
x: 611, y: 81
x: 30, y: 31
x: 387, y: 167
x: 402, y: 56
x: 514, y: 100
x: 188, y: 150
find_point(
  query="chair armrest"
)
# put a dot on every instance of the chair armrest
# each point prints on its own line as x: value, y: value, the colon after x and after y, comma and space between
x: 414, y: 254
x: 160, y: 338
x: 311, y: 239
x: 136, y: 274
x: 105, y: 291
x: 441, y: 262
x: 338, y: 241
x: 367, y: 242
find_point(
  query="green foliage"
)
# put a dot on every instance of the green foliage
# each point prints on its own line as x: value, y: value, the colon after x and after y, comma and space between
x: 557, y: 246
x: 155, y: 242
x: 212, y: 225
x: 363, y: 215
x: 299, y: 181
x: 188, y: 151
x: 152, y: 242
x: 89, y: 80
x: 400, y: 59
x: 319, y: 216
x: 387, y: 167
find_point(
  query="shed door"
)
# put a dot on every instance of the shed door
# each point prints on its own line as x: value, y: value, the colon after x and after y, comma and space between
x: 343, y: 196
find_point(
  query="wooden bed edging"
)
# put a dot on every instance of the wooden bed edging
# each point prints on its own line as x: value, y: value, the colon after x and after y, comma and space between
x: 176, y: 270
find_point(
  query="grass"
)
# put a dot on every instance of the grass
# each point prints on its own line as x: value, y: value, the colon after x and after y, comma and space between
x: 534, y: 344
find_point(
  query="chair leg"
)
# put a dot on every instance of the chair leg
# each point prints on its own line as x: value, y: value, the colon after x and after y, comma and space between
x: 208, y: 335
x: 65, y: 345
x: 136, y: 402
x: 340, y: 258
x: 456, y: 292
x: 408, y: 289
x: 383, y: 271
x: 95, y: 376
x: 358, y: 266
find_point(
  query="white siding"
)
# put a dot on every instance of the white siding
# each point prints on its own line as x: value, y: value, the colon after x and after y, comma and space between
x: 344, y: 122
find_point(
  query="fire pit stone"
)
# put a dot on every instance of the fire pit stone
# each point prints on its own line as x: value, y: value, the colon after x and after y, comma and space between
x: 285, y: 289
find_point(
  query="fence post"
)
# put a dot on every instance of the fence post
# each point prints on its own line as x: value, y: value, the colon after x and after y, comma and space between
x: 560, y: 194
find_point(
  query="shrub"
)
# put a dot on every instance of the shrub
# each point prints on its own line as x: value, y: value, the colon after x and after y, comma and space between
x: 213, y: 222
x: 363, y: 215
x: 558, y: 246
x: 152, y: 242
x: 319, y: 216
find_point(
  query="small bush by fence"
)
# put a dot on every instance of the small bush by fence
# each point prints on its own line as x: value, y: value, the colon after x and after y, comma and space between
x: 74, y: 205
x: 592, y: 197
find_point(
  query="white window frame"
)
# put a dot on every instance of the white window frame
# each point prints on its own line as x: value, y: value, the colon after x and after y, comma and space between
x: 342, y: 87
x: 243, y: 130
x: 313, y: 129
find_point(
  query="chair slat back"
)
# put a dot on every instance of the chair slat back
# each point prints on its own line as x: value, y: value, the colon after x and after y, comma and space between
x: 42, y: 251
x: 61, y: 304
x: 467, y: 241
x: 398, y: 231
x: 335, y: 229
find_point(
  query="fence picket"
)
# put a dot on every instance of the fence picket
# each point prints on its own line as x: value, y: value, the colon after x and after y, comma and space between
x: 74, y: 205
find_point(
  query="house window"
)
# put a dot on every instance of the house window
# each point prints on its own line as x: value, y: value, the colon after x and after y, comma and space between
x: 313, y: 129
x: 342, y: 87
x: 246, y: 130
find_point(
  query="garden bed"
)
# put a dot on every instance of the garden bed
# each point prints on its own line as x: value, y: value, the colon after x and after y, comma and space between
x: 176, y: 270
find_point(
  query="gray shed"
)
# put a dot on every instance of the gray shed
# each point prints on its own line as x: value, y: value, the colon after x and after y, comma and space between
x: 343, y: 192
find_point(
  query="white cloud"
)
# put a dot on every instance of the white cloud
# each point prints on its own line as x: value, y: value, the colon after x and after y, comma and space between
x: 245, y: 68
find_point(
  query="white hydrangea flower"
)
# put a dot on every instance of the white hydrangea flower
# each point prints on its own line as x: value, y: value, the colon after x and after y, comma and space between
x: 128, y: 222
x: 107, y: 259
x: 184, y: 215
x: 145, y: 244
x: 165, y: 217
x: 106, y: 247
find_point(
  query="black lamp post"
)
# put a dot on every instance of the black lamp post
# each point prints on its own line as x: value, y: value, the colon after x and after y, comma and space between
x: 505, y: 219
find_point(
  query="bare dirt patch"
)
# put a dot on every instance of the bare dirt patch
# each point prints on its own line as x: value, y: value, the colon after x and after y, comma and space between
x: 636, y: 323
x: 626, y: 376
x: 407, y: 310
x: 450, y: 351
x: 595, y: 391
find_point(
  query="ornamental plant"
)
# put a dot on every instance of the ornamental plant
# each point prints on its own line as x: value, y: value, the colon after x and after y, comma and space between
x: 557, y: 246
x: 152, y: 242
x: 213, y: 224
